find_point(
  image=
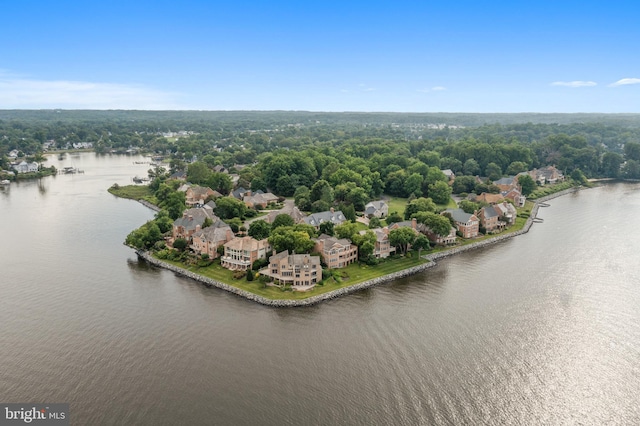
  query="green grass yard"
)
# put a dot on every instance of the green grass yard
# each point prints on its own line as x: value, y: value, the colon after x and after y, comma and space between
x: 352, y: 274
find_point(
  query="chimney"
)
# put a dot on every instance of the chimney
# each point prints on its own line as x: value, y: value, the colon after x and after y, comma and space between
x: 190, y: 217
x: 385, y: 230
x: 184, y: 215
x: 198, y: 227
x: 331, y: 210
x: 414, y: 223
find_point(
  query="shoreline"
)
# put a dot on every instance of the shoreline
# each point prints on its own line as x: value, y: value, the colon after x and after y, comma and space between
x: 313, y: 300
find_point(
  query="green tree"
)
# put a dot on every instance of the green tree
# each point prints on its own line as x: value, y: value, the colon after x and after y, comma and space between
x: 374, y: 222
x: 463, y: 184
x: 180, y: 244
x: 517, y: 167
x: 281, y: 220
x: 419, y: 205
x: 286, y: 238
x: 346, y: 230
x: 250, y: 275
x: 421, y: 243
x: 327, y: 228
x: 468, y: 206
x: 440, y: 192
x: 229, y: 207
x: 413, y: 184
x: 438, y: 224
x: 198, y: 173
x: 527, y: 184
x: 402, y: 238
x: 471, y: 167
x: 259, y: 229
x: 493, y: 171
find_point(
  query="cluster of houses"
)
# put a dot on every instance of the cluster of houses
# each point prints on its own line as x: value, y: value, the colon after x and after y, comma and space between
x: 303, y: 271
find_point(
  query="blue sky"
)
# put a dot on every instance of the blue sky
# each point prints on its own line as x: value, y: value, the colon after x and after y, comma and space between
x: 405, y: 56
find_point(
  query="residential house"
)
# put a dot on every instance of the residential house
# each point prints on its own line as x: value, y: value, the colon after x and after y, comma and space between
x: 241, y: 252
x: 382, y: 246
x: 508, y: 213
x: 467, y: 224
x: 442, y: 240
x: 298, y: 270
x: 488, y: 198
x: 220, y: 169
x: 207, y: 240
x: 315, y: 219
x: 336, y: 253
x: 179, y: 175
x: 259, y: 199
x: 413, y: 224
x: 449, y: 174
x: 546, y: 175
x: 507, y: 183
x: 196, y: 195
x: 190, y: 222
x: 25, y: 167
x: 240, y: 193
x: 378, y: 209
x: 490, y: 219
x: 516, y: 196
x: 289, y: 209
x: 13, y: 154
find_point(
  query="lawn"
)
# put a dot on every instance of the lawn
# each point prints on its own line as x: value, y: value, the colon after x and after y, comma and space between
x: 134, y: 192
x: 397, y: 204
x: 352, y: 274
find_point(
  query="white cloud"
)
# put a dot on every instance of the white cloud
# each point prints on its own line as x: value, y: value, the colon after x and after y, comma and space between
x: 16, y: 92
x: 625, y: 82
x: 574, y: 83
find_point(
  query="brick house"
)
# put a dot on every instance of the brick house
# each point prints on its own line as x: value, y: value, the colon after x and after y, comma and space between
x: 334, y: 252
x: 241, y: 252
x: 207, y: 240
x: 382, y: 246
x: 467, y: 224
x: 298, y: 270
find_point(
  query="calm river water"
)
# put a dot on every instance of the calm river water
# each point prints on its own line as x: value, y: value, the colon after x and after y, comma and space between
x: 541, y: 329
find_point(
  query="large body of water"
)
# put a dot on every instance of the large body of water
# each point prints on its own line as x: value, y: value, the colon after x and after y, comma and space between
x: 541, y: 329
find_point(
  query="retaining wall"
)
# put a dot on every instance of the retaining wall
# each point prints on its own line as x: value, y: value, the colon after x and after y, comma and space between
x: 356, y: 287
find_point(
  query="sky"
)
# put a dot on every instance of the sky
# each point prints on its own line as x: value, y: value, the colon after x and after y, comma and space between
x: 395, y: 56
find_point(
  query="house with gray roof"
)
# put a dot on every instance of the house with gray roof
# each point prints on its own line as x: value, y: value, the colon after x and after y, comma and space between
x: 191, y: 221
x: 301, y: 271
x: 207, y: 240
x: 335, y: 217
x: 378, y: 209
x: 468, y: 225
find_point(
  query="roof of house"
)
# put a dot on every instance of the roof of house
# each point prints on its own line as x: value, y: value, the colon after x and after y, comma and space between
x: 489, y: 198
x: 216, y: 233
x: 448, y: 173
x: 381, y: 233
x: 246, y: 243
x: 511, y: 180
x: 374, y: 206
x: 194, y: 217
x: 239, y: 192
x: 490, y: 212
x: 328, y: 242
x: 260, y: 198
x: 295, y: 259
x: 459, y: 215
x: 288, y: 209
x: 335, y: 217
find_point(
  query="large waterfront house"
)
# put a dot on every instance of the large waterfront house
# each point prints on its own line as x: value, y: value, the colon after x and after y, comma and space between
x: 191, y: 220
x: 439, y: 239
x: 207, y: 240
x: 241, y: 252
x: 508, y: 212
x: 490, y: 219
x: 24, y: 167
x: 467, y: 224
x: 378, y: 209
x: 382, y: 246
x: 336, y: 253
x: 196, y: 195
x: 316, y: 219
x: 301, y: 271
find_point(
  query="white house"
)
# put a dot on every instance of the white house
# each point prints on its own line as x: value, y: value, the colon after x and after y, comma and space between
x: 25, y: 167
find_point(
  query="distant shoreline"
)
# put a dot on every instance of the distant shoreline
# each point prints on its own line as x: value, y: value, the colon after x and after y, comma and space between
x: 313, y: 300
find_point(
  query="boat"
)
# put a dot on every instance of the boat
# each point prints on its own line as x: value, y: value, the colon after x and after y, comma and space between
x: 140, y: 180
x: 5, y: 182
